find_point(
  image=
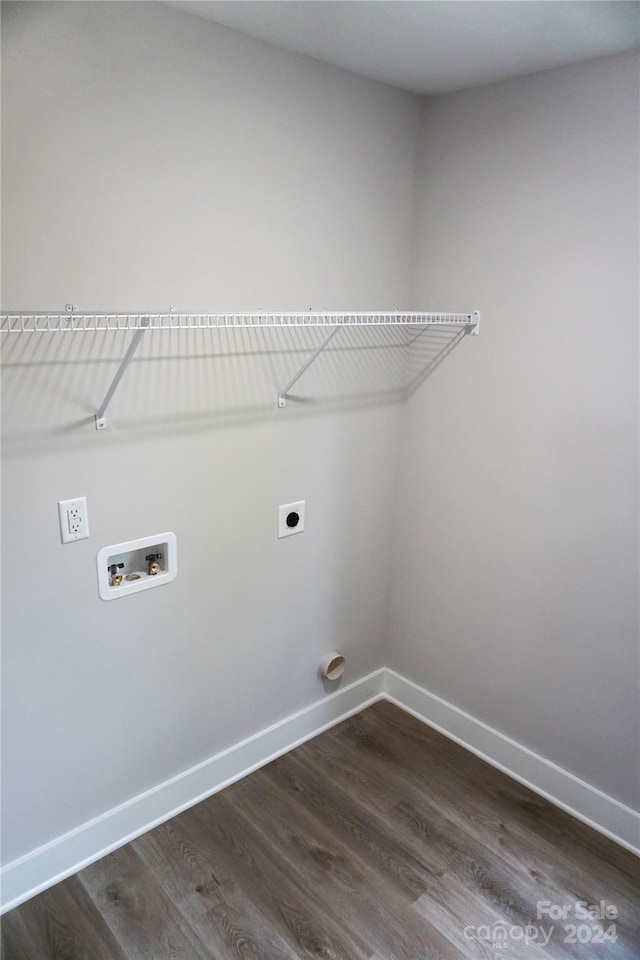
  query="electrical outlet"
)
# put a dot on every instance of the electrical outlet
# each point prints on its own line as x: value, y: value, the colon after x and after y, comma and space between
x: 290, y: 519
x: 74, y: 521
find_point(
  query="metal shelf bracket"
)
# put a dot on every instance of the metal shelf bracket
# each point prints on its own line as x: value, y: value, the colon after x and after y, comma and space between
x: 475, y: 329
x: 101, y: 421
x: 282, y: 397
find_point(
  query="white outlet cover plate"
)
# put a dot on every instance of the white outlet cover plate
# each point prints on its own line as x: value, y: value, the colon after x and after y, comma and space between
x: 284, y: 530
x: 79, y: 529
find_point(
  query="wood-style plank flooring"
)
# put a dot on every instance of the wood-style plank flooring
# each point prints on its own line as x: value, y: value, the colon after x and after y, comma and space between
x: 378, y: 840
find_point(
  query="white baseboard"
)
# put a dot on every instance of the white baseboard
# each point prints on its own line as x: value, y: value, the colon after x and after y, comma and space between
x: 43, y: 867
x: 564, y: 789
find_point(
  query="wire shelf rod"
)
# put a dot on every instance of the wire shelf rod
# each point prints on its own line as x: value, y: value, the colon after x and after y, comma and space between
x: 107, y: 322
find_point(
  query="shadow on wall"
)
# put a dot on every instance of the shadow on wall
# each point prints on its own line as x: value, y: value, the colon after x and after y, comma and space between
x: 183, y: 381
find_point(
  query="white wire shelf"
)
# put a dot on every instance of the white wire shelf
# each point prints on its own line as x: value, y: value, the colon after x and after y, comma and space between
x: 141, y: 323
x: 72, y: 322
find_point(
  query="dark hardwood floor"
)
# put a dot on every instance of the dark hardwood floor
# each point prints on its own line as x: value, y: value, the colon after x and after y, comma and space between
x: 379, y: 839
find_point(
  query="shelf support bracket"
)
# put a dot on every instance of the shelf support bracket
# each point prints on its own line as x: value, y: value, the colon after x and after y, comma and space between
x: 475, y: 329
x: 282, y: 397
x: 101, y: 420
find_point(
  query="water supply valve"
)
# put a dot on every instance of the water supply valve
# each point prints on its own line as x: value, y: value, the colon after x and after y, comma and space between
x: 154, y: 566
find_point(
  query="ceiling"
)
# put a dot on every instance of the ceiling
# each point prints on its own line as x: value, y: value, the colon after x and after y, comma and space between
x: 435, y: 46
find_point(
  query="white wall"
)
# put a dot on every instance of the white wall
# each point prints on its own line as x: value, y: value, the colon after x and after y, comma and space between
x: 516, y: 559
x: 150, y: 158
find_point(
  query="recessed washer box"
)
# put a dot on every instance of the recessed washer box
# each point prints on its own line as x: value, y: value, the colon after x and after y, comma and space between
x: 124, y: 568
